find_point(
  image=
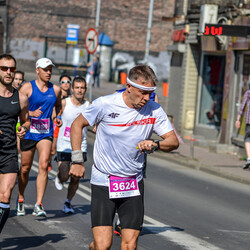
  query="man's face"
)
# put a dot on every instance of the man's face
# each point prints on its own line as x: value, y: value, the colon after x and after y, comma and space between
x: 45, y: 74
x: 18, y: 80
x: 6, y: 66
x: 79, y: 90
x: 65, y: 83
x: 139, y: 97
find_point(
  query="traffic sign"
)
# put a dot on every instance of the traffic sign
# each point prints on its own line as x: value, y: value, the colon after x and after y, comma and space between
x: 72, y: 33
x: 91, y: 40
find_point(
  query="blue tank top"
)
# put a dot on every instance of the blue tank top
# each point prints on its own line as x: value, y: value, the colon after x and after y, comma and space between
x: 41, y: 126
x: 152, y: 97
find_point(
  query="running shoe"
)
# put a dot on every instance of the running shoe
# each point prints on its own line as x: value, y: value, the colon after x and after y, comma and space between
x: 118, y: 230
x: 20, y: 211
x: 58, y: 183
x: 39, y: 210
x: 247, y: 164
x: 67, y: 208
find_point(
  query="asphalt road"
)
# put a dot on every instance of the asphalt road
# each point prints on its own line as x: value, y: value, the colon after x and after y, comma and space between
x: 184, y: 209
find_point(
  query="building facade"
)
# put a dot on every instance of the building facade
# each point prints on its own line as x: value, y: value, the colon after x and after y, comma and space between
x: 38, y: 28
x: 208, y: 73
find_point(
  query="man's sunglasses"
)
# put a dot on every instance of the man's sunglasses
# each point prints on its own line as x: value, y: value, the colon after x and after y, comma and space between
x: 4, y: 68
x: 62, y: 82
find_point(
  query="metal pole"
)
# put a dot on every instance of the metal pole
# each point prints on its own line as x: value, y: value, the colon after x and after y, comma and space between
x: 149, y: 30
x: 97, y: 19
x: 91, y: 78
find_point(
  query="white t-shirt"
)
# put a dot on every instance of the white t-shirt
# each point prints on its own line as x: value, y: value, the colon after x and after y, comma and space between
x: 119, y: 130
x: 70, y: 113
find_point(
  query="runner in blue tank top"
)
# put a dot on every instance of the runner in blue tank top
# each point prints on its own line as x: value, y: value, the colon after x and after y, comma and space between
x: 43, y: 97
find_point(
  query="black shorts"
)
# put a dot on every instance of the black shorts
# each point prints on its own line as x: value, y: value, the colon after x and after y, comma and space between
x: 247, y: 133
x: 8, y: 163
x: 63, y: 156
x: 130, y: 210
x: 27, y: 144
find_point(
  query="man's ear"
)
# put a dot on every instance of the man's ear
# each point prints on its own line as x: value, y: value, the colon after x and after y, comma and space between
x: 129, y: 87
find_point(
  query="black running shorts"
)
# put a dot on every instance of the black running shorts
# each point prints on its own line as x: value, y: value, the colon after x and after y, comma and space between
x: 8, y: 163
x: 247, y: 133
x: 130, y: 210
x: 27, y: 144
x: 64, y: 156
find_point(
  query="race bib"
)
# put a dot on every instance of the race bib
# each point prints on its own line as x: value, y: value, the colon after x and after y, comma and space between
x: 39, y: 126
x: 122, y: 187
x: 66, y: 134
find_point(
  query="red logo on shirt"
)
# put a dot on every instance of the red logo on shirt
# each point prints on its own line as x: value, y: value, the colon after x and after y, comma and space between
x: 140, y: 122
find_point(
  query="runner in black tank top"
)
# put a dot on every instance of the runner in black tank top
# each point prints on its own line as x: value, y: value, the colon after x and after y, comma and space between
x: 12, y: 105
x: 9, y: 112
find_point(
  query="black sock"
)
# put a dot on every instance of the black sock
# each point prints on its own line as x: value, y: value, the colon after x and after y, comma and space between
x: 4, y: 214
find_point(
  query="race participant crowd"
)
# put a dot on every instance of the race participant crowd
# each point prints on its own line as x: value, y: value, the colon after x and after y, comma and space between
x: 52, y: 120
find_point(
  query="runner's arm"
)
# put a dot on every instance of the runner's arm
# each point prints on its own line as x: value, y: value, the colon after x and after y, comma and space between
x: 58, y: 105
x: 169, y: 143
x: 77, y: 168
x: 24, y: 116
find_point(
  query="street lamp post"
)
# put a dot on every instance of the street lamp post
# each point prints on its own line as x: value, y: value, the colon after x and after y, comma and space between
x: 149, y: 30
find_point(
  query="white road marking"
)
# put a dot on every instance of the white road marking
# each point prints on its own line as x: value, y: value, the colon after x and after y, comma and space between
x: 172, y: 234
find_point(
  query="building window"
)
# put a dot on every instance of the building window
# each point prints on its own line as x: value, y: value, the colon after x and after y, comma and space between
x: 212, y: 90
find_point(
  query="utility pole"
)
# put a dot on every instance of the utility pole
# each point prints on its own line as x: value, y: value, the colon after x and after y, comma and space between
x: 149, y: 30
x: 97, y: 18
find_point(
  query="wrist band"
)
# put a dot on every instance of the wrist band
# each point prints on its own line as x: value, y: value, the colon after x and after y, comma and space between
x: 59, y: 117
x: 26, y: 130
x: 76, y: 156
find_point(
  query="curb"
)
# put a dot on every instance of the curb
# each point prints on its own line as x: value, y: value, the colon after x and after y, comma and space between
x: 202, y: 167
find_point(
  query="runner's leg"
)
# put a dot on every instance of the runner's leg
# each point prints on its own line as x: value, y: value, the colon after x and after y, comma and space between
x: 23, y: 178
x: 73, y: 186
x: 129, y: 239
x: 7, y: 183
x: 63, y: 170
x: 102, y: 237
x: 44, y: 150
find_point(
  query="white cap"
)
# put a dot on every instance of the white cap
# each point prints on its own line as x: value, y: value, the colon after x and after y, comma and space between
x: 43, y: 63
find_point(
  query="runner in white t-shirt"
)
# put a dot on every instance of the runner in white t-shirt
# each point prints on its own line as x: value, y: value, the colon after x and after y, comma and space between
x: 125, y: 123
x: 71, y: 108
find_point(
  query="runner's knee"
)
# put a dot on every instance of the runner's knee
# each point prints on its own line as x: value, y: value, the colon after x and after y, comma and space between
x: 63, y: 173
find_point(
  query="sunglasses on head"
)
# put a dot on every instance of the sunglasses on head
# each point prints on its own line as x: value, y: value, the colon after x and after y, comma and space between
x: 4, y: 68
x: 61, y: 82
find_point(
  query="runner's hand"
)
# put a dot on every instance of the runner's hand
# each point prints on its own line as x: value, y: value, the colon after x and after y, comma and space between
x: 1, y: 132
x: 77, y: 170
x: 36, y: 113
x: 58, y: 122
x: 146, y: 146
x: 21, y: 132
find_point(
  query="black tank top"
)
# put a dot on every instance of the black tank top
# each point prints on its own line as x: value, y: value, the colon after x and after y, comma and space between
x: 9, y: 112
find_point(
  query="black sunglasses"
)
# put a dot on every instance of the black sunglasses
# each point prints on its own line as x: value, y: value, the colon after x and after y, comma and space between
x: 5, y: 68
x: 61, y: 82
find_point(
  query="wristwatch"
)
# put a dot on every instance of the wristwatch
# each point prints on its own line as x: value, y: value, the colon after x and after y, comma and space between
x: 158, y: 144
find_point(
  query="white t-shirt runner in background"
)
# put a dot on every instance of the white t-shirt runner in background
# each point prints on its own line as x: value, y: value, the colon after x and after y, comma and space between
x: 119, y: 130
x: 70, y: 113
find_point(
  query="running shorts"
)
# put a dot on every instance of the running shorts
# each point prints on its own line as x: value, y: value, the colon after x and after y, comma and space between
x: 130, y: 210
x: 27, y: 144
x: 247, y: 133
x: 8, y: 163
x: 64, y: 156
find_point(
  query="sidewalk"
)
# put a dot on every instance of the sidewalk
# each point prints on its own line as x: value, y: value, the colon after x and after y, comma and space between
x: 220, y: 164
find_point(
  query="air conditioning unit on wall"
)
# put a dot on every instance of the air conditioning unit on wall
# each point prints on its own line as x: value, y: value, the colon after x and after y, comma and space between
x: 208, y: 14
